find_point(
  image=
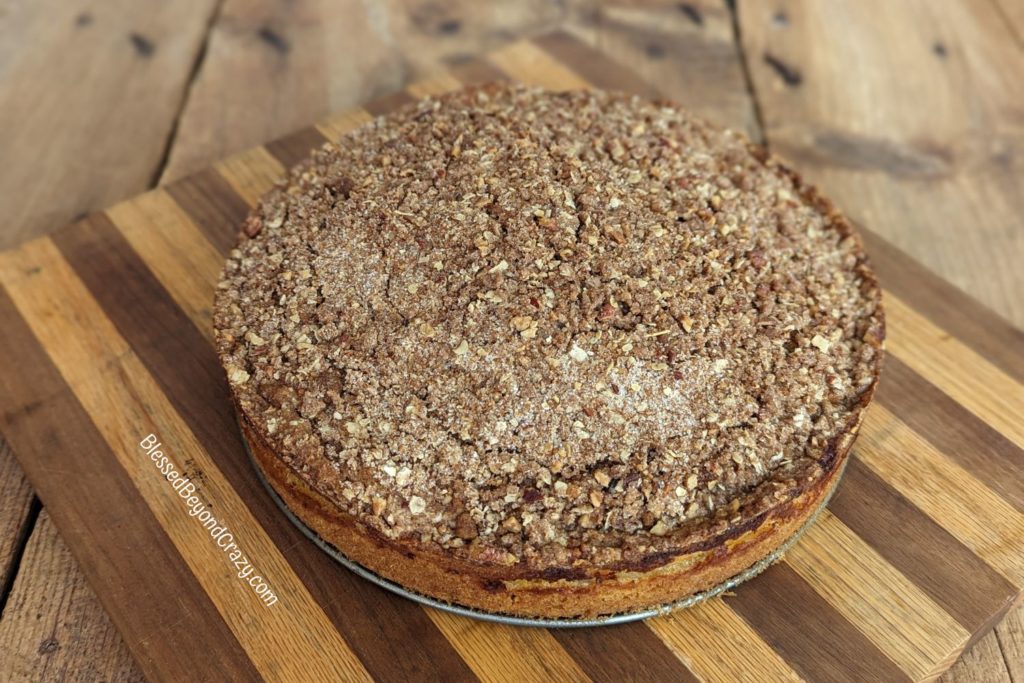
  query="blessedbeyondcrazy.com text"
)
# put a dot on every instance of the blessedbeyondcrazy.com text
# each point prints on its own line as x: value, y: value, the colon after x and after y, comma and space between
x: 199, y: 510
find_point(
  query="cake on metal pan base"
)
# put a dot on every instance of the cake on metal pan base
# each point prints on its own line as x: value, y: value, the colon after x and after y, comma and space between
x: 551, y: 355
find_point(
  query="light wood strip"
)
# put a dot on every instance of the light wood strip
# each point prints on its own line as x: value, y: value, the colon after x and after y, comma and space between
x: 812, y: 636
x: 438, y: 84
x: 177, y: 252
x: 338, y: 125
x: 251, y: 173
x: 1011, y: 631
x: 719, y: 646
x: 528, y: 63
x: 955, y: 368
x: 883, y: 604
x: 511, y: 654
x: 285, y: 641
x: 952, y: 496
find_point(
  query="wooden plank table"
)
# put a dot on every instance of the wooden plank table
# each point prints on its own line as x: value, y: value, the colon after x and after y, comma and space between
x: 788, y: 56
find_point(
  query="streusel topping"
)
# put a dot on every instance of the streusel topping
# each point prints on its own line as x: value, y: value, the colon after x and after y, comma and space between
x: 541, y: 328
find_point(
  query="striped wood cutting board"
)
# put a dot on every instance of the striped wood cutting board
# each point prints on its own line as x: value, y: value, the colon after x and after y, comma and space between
x: 105, y: 337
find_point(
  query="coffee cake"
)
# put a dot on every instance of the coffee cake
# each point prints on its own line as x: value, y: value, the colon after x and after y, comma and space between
x: 549, y: 354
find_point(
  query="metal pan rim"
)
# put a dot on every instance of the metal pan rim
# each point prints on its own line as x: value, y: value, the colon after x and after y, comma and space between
x: 622, y: 618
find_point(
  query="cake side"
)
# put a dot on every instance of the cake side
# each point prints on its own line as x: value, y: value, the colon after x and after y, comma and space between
x: 513, y: 591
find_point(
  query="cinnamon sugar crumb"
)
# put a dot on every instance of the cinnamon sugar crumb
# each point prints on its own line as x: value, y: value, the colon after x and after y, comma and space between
x: 547, y: 327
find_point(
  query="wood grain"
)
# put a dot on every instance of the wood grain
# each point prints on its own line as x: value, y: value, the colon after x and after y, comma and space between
x: 983, y: 663
x: 1013, y: 13
x: 544, y: 69
x: 24, y: 387
x: 867, y: 504
x: 214, y: 214
x: 1010, y: 634
x: 333, y: 127
x: 915, y: 133
x: 962, y: 435
x: 212, y: 204
x: 88, y: 357
x: 495, y: 651
x: 251, y: 173
x: 53, y: 626
x: 625, y: 652
x: 93, y: 93
x: 266, y: 45
x: 937, y: 486
x: 718, y: 645
x: 16, y: 517
x: 955, y: 369
x: 296, y: 70
x: 895, y: 615
x: 818, y: 643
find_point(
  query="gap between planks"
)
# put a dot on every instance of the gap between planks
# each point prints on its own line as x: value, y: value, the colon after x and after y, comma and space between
x: 157, y: 177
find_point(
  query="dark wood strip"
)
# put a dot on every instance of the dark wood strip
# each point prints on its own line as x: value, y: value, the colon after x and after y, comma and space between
x: 955, y: 431
x: 627, y: 652
x: 212, y: 205
x: 126, y: 555
x: 594, y: 66
x: 293, y: 148
x: 947, y: 571
x: 475, y: 71
x: 382, y: 105
x: 394, y: 638
x: 990, y: 335
x: 813, y: 638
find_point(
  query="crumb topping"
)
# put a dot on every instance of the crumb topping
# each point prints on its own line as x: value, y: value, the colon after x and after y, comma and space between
x: 547, y: 328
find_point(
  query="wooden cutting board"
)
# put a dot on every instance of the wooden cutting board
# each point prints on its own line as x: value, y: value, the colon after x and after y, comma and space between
x: 105, y: 338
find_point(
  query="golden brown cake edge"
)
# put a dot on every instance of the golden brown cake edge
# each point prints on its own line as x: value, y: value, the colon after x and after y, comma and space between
x: 495, y: 589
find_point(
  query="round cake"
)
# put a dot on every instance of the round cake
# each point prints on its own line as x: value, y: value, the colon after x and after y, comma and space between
x: 549, y: 354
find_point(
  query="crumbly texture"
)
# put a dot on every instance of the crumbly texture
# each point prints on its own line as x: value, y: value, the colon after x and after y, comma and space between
x: 554, y: 593
x: 548, y: 330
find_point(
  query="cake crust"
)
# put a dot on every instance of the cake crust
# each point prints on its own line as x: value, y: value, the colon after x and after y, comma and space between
x: 638, y: 369
x: 587, y: 594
